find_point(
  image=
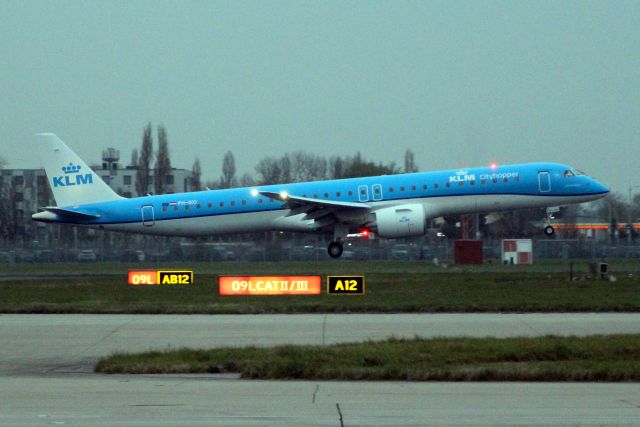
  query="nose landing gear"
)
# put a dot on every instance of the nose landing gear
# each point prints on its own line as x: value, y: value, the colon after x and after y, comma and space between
x: 549, y: 229
x: 335, y: 249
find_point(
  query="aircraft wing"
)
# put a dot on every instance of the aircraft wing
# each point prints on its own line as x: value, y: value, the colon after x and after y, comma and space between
x: 314, y: 209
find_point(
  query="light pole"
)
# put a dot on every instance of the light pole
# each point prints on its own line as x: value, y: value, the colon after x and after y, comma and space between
x: 629, y: 218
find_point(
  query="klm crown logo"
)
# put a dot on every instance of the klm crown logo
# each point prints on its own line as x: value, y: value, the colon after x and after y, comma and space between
x: 71, y: 168
x: 71, y: 177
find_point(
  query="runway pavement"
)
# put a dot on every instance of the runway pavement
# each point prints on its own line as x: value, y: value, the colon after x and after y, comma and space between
x: 46, y: 374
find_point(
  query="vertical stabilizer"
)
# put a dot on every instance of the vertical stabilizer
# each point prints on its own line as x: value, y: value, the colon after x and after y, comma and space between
x: 71, y: 180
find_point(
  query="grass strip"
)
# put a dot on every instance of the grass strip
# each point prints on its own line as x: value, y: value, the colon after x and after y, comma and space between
x: 387, y: 292
x: 550, y: 358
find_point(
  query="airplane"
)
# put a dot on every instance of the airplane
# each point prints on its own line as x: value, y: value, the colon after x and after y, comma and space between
x: 392, y: 206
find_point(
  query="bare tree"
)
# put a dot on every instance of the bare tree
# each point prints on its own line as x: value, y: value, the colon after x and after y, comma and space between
x: 269, y: 171
x: 196, y: 174
x: 163, y: 163
x: 409, y: 162
x: 247, y: 180
x: 227, y: 180
x: 144, y: 162
x: 336, y: 167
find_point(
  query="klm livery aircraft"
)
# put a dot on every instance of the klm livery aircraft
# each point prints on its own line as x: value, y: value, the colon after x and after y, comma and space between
x: 392, y: 206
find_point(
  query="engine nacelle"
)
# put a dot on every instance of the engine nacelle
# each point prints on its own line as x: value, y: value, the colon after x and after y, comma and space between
x: 401, y: 221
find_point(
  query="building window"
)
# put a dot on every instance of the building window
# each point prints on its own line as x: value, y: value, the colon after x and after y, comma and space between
x: 19, y: 197
x: 169, y: 179
x: 18, y: 180
x: 127, y: 194
x: 126, y: 180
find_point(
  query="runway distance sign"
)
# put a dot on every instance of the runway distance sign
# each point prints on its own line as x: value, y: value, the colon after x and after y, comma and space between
x: 160, y: 277
x: 270, y: 285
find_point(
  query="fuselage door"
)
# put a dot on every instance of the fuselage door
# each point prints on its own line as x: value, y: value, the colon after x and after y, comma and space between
x: 376, y: 191
x: 148, y: 218
x: 544, y: 181
x: 363, y: 193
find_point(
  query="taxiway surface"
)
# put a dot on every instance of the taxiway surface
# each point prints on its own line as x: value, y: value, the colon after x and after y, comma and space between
x: 46, y: 374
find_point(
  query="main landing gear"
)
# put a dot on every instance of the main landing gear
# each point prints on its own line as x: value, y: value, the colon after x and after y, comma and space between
x: 335, y: 249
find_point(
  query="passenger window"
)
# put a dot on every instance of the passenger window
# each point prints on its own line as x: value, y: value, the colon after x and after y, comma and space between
x: 164, y: 209
x: 244, y: 202
x: 425, y: 186
x: 413, y: 187
x: 506, y: 179
x: 351, y: 193
x: 483, y: 181
x: 315, y: 196
x: 390, y: 189
x: 233, y: 203
x: 209, y: 205
x: 222, y: 204
x: 326, y: 195
x: 186, y: 207
x: 260, y: 201
x: 472, y: 183
x: 338, y: 194
x: 461, y: 183
x: 402, y: 188
x: 175, y: 208
x: 495, y: 181
x: 448, y: 184
x: 517, y: 179
x: 436, y: 186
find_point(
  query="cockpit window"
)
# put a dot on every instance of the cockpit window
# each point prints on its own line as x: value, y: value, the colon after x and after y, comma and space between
x: 568, y: 174
x: 578, y: 172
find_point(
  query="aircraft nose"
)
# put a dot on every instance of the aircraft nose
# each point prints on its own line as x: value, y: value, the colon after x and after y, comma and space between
x: 600, y: 187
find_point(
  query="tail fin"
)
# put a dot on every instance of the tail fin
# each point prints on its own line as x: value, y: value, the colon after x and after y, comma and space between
x: 71, y: 180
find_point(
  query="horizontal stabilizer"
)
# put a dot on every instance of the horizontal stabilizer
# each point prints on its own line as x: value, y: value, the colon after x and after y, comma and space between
x: 70, y: 213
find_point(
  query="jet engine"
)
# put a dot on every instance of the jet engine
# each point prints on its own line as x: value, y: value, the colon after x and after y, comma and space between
x: 401, y: 221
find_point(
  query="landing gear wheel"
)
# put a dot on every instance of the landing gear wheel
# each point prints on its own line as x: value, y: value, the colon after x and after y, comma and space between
x: 335, y: 249
x: 549, y: 230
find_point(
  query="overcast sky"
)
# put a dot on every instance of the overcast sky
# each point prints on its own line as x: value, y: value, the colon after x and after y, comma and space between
x: 459, y: 83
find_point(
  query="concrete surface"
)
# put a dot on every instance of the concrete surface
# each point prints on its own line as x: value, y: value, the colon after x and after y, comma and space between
x: 46, y: 363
